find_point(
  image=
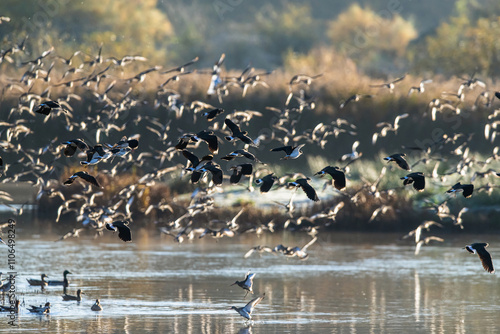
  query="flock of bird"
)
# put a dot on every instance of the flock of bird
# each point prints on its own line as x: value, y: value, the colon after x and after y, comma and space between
x: 14, y: 306
x: 52, y: 87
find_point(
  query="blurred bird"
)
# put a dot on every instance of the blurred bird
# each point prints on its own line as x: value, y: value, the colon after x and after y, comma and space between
x: 354, y: 98
x: 426, y: 241
x: 46, y: 107
x: 259, y: 249
x: 239, y: 171
x: 84, y: 176
x: 40, y: 309
x: 420, y: 88
x: 418, y: 231
x: 390, y: 85
x: 97, y: 306
x: 78, y: 296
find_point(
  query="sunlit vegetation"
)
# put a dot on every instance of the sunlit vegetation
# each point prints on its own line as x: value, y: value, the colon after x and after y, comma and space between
x: 378, y: 37
x: 371, y: 40
x: 126, y: 28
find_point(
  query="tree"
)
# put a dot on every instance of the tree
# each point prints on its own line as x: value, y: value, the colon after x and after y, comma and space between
x: 373, y: 40
x: 124, y: 27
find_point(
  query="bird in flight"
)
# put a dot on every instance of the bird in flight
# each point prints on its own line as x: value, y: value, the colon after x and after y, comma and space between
x: 247, y: 283
x: 84, y: 176
x: 418, y: 180
x: 246, y: 311
x: 292, y: 152
x: 237, y: 133
x: 266, y: 182
x: 465, y: 189
x: 400, y: 160
x: 306, y: 187
x: 479, y: 248
x: 337, y: 175
x: 124, y: 232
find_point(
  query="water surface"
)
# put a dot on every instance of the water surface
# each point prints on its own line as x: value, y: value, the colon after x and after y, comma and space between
x: 350, y: 284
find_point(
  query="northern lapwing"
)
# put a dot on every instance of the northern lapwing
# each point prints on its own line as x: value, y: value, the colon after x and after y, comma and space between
x: 124, y: 232
x: 465, y: 189
x: 266, y: 182
x: 292, y: 152
x: 84, y: 176
x: 306, y: 187
x: 337, y: 175
x: 479, y: 248
x: 400, y: 160
x: 417, y: 178
x: 236, y: 133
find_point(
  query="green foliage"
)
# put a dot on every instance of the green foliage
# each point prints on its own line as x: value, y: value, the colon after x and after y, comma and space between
x: 368, y: 38
x: 464, y: 47
x: 291, y: 29
x: 124, y: 27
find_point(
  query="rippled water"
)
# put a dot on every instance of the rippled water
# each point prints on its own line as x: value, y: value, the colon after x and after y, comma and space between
x: 349, y: 284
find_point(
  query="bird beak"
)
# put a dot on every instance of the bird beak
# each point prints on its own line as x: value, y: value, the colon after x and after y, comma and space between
x: 233, y: 284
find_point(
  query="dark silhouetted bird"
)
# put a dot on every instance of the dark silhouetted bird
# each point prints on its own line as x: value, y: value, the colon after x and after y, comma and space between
x: 84, y: 176
x: 465, y: 189
x: 124, y: 232
x: 240, y: 153
x: 46, y: 107
x: 215, y: 170
x: 211, y: 114
x: 266, y: 182
x: 239, y: 171
x: 210, y: 138
x: 306, y: 187
x: 417, y: 178
x: 196, y: 164
x: 337, y: 175
x: 72, y: 145
x: 78, y: 296
x: 400, y: 160
x: 292, y: 152
x: 237, y: 133
x: 485, y: 257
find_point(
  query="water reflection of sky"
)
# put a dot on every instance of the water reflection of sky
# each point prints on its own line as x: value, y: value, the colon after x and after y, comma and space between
x: 375, y: 285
